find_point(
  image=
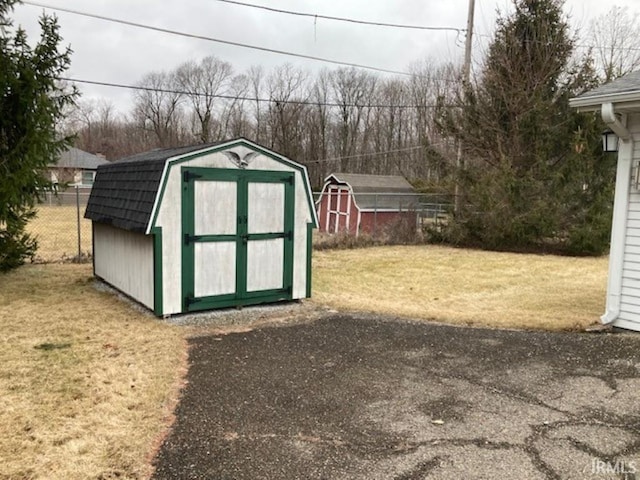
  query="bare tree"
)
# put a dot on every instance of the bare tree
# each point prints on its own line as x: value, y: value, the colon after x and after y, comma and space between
x: 287, y: 85
x: 318, y: 129
x: 330, y: 116
x: 431, y: 84
x: 233, y: 121
x: 616, y: 42
x: 353, y: 90
x: 157, y: 107
x: 202, y: 83
x: 255, y: 77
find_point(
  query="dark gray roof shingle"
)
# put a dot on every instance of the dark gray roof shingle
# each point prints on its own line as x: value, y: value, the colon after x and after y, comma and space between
x: 124, y: 191
x: 123, y: 194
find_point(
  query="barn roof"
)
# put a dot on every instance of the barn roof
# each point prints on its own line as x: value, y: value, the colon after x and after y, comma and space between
x: 377, y: 192
x: 124, y: 192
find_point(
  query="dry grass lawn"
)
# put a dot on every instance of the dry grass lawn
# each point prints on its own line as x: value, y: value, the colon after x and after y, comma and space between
x: 56, y: 228
x: 87, y: 383
x: 464, y: 286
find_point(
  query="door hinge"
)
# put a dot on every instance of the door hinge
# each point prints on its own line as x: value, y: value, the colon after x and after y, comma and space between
x: 191, y: 238
x: 289, y: 235
x: 188, y: 175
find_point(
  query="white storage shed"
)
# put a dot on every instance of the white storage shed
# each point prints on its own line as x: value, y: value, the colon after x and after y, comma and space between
x: 619, y: 104
x: 203, y: 227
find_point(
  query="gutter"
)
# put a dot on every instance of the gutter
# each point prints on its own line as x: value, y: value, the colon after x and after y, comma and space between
x: 593, y: 102
x: 614, y: 121
x: 617, y: 123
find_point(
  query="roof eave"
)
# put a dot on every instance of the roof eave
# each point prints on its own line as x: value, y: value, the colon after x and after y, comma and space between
x: 623, y: 101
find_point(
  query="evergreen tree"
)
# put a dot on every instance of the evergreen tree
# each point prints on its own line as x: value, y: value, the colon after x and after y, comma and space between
x: 31, y: 103
x: 534, y: 175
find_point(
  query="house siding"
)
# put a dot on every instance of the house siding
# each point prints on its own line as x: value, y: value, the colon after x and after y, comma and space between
x: 629, y: 316
x: 124, y: 259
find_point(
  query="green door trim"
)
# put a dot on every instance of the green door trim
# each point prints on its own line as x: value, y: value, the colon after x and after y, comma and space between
x: 242, y: 238
x: 310, y: 228
x: 157, y: 271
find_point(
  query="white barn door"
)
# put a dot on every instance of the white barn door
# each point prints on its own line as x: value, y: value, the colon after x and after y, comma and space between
x: 237, y: 237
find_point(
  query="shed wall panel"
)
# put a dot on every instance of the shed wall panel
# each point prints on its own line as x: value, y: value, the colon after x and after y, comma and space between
x: 302, y: 218
x: 125, y: 260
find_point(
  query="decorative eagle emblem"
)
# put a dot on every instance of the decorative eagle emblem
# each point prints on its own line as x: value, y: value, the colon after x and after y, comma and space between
x: 240, y: 161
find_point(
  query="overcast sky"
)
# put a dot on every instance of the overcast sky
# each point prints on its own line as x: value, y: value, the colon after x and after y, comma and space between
x: 110, y: 52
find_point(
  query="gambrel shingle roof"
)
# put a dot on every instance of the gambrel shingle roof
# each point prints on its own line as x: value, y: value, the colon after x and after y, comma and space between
x: 124, y: 191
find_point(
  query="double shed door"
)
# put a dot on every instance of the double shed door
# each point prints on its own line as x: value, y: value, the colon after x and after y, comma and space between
x: 237, y: 228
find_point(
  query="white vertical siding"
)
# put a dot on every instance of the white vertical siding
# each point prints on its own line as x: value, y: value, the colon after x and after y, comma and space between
x: 125, y: 260
x: 629, y: 316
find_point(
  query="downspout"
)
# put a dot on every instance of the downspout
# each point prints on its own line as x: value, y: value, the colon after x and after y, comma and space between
x: 620, y: 209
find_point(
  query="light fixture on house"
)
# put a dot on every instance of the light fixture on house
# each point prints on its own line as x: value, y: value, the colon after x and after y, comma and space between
x: 609, y: 141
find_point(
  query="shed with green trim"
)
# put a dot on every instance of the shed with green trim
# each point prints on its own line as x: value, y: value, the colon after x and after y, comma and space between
x: 203, y: 227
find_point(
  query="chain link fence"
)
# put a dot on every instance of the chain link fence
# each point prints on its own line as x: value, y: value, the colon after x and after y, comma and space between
x: 65, y: 235
x: 60, y: 228
x: 382, y: 217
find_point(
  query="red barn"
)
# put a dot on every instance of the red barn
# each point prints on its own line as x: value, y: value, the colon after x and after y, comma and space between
x: 355, y: 203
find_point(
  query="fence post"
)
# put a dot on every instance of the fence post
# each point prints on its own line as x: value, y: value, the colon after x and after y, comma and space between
x: 78, y: 222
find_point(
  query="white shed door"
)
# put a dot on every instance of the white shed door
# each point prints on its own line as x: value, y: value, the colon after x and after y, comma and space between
x: 238, y: 237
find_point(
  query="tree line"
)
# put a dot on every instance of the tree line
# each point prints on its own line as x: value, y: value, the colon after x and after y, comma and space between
x: 338, y: 120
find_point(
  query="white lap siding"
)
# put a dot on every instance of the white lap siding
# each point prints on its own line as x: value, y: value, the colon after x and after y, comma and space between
x: 125, y: 260
x: 630, y: 294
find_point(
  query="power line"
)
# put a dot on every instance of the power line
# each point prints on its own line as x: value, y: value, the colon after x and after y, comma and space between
x: 579, y: 45
x: 211, y: 39
x: 244, y: 98
x: 343, y: 19
x: 371, y: 154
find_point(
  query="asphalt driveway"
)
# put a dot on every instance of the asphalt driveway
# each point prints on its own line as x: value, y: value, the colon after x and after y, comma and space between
x: 367, y: 398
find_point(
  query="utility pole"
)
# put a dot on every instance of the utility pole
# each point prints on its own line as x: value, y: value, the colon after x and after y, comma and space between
x: 466, y: 72
x: 466, y: 77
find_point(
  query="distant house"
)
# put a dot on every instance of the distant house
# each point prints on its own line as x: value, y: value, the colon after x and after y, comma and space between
x: 75, y: 167
x: 355, y: 203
